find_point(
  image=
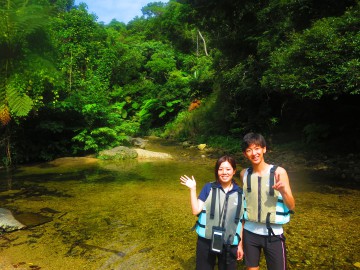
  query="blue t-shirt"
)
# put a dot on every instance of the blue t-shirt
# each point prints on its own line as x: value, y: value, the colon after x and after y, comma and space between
x: 206, y: 190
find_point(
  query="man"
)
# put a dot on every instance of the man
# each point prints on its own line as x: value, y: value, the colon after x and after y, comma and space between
x: 268, y: 202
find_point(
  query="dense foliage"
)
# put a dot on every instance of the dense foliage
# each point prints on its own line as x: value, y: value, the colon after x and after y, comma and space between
x: 72, y: 86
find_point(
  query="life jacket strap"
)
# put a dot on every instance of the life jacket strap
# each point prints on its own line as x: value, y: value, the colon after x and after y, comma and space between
x: 197, y: 223
x: 213, y: 199
x: 238, y: 209
x: 248, y: 179
x: 285, y: 213
x: 270, y: 230
x: 272, y: 180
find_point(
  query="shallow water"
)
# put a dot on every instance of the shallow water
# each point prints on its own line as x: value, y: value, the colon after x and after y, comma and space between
x: 88, y: 214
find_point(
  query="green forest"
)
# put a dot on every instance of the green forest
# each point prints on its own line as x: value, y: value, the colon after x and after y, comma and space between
x: 206, y: 71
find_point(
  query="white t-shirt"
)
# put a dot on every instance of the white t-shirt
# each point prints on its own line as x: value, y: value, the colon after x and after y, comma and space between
x: 260, y: 228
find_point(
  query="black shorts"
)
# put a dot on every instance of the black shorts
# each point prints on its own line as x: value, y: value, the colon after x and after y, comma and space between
x: 206, y: 259
x: 274, y: 250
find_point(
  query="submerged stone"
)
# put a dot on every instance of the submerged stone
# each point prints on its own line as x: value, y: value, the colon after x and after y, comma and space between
x: 33, y: 219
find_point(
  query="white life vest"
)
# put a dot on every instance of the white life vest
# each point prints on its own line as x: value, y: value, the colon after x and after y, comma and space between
x: 224, y: 210
x: 261, y: 202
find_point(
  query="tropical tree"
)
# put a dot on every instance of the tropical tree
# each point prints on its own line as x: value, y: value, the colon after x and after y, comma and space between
x: 25, y: 71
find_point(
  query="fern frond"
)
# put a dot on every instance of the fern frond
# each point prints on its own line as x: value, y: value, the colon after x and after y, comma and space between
x: 20, y: 104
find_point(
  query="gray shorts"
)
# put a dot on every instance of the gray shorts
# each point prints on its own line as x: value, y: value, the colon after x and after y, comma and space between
x: 274, y: 250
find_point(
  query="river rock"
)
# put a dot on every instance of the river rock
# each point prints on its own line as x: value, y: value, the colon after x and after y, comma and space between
x: 146, y: 154
x: 139, y: 142
x: 118, y: 153
x: 7, y: 221
x: 201, y: 146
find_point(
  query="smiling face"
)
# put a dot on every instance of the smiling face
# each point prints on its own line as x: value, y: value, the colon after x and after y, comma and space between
x: 255, y: 153
x: 226, y: 172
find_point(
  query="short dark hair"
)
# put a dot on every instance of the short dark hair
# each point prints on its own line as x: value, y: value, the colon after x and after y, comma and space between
x: 252, y: 138
x: 222, y: 159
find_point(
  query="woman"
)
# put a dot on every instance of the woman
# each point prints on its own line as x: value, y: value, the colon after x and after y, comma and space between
x: 219, y: 208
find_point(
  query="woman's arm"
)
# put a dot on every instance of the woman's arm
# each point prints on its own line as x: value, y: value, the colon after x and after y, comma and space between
x: 196, y: 204
x: 240, y: 250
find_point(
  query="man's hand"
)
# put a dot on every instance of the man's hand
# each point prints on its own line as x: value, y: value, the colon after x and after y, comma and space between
x: 279, y: 184
x: 282, y: 185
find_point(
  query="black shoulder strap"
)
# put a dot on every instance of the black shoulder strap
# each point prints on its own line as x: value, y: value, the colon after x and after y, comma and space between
x: 248, y: 180
x: 272, y: 180
x: 238, y: 209
x: 213, y: 199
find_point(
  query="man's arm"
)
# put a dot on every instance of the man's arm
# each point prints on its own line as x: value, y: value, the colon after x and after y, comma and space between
x: 282, y: 184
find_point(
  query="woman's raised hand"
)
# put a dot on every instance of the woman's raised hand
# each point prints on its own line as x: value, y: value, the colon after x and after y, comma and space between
x: 187, y: 181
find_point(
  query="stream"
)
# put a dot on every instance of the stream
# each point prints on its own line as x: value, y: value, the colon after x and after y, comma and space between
x: 83, y: 213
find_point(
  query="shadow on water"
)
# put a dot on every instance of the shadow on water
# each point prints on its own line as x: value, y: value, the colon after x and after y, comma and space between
x: 90, y: 214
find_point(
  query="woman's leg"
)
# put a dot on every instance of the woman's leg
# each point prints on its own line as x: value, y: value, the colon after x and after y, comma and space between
x: 205, y: 259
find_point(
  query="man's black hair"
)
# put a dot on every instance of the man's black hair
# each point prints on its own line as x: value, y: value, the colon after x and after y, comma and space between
x: 252, y: 138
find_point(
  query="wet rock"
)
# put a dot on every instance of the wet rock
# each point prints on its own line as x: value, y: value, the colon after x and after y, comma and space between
x: 139, y: 142
x: 69, y: 162
x: 118, y: 153
x: 145, y: 154
x: 186, y: 144
x: 33, y: 219
x: 8, y: 222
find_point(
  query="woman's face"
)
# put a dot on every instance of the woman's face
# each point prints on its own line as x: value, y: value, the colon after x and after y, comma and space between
x: 226, y: 172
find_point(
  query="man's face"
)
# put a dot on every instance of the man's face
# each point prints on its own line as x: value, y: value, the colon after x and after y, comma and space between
x: 255, y: 153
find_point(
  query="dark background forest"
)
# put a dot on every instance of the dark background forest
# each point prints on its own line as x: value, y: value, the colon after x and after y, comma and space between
x: 71, y: 85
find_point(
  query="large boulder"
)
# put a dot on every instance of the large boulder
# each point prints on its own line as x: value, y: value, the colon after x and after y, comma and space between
x: 118, y: 153
x: 7, y: 221
x: 122, y: 153
x: 146, y: 154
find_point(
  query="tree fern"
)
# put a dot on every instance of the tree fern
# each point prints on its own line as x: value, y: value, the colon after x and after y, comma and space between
x: 18, y: 20
x: 19, y: 104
